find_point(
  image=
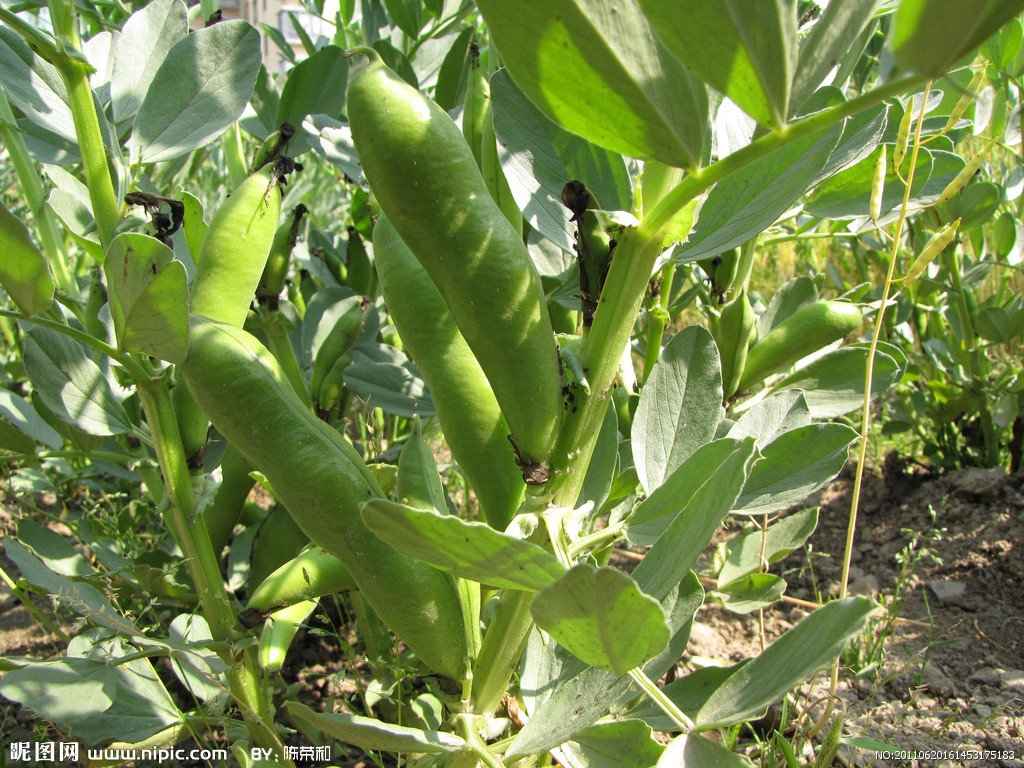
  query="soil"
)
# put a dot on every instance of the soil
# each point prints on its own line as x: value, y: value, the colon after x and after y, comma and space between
x: 948, y: 677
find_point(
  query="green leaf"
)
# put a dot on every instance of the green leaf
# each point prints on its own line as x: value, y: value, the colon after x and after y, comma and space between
x: 395, y: 388
x: 539, y: 157
x: 63, y: 690
x: 82, y: 598
x: 564, y: 696
x: 929, y: 36
x: 788, y: 299
x: 198, y: 668
x: 452, y: 77
x: 375, y: 735
x: 193, y: 225
x: 71, y: 385
x: 20, y: 414
x: 745, y: 50
x: 56, y: 551
x: 814, y: 643
x: 627, y: 744
x: 419, y: 484
x: 656, y: 513
x: 314, y: 86
x: 202, y: 87
x: 35, y: 87
x: 827, y: 43
x: 794, y: 465
x: 406, y: 15
x: 689, y: 534
x: 768, y: 418
x: 692, y: 751
x: 834, y: 383
x: 749, y: 201
x: 627, y: 93
x: 752, y: 592
x: 680, y: 406
x: 23, y: 271
x: 601, y: 617
x: 743, y: 553
x: 141, y: 708
x: 148, y: 297
x: 473, y: 551
x: 139, y: 50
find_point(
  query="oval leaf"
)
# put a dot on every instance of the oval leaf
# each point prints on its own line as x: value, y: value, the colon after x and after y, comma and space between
x: 627, y: 93
x: 201, y: 88
x: 370, y: 734
x: 471, y: 550
x: 23, y: 272
x: 602, y: 618
x: 746, y: 50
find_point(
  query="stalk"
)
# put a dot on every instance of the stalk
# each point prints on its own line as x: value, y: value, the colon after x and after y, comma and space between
x: 658, y: 318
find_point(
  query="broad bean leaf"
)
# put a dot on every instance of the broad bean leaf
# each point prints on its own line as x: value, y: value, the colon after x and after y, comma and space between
x: 55, y: 551
x: 680, y: 406
x: 744, y: 552
x: 929, y: 36
x: 627, y: 744
x: 627, y: 93
x: 406, y: 15
x: 744, y: 50
x: 84, y: 599
x: 35, y: 86
x: 588, y: 610
x: 198, y: 668
x: 768, y: 418
x: 370, y: 734
x: 194, y: 224
x: 538, y: 157
x: 19, y: 413
x: 677, y: 549
x: 315, y: 85
x: 148, y: 296
x: 693, y: 751
x: 565, y: 696
x: 23, y: 271
x: 71, y: 385
x: 335, y: 145
x: 451, y: 78
x: 419, y: 484
x: 656, y: 513
x: 794, y: 465
x: 63, y: 690
x: 752, y: 592
x: 201, y: 87
x: 396, y: 388
x: 827, y: 43
x: 141, y: 707
x: 471, y: 550
x: 810, y: 645
x: 749, y: 201
x: 833, y: 384
x: 139, y: 49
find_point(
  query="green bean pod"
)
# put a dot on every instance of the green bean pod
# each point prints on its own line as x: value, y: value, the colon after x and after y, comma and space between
x: 427, y: 182
x: 466, y: 408
x: 235, y: 250
x: 309, y: 575
x: 322, y: 481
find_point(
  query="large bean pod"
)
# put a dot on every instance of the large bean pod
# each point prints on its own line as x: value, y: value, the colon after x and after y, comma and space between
x: 466, y: 408
x: 427, y: 182
x: 322, y: 480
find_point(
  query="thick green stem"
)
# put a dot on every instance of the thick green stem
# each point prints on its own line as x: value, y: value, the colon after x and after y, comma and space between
x: 201, y: 561
x: 502, y: 648
x: 279, y: 343
x: 94, y: 155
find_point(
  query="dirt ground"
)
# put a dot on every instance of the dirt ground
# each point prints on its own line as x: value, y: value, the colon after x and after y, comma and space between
x: 949, y: 681
x: 949, y: 675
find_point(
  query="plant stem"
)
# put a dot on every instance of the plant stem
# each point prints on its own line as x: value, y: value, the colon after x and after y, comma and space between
x: 657, y: 320
x: 658, y: 697
x: 501, y: 650
x: 862, y: 447
x: 280, y: 345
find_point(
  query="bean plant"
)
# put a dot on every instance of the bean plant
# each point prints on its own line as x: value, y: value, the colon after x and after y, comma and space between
x: 480, y: 311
